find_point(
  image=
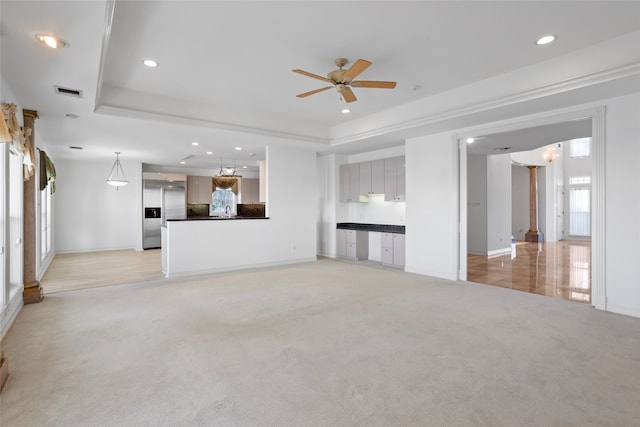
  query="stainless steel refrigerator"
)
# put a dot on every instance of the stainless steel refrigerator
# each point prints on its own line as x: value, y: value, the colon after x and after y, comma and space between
x: 162, y: 200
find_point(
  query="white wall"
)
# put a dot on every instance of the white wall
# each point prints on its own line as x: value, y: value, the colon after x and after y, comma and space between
x: 377, y: 211
x: 498, y: 203
x: 432, y: 205
x: 547, y: 221
x: 519, y: 201
x: 11, y: 218
x: 477, y: 205
x: 288, y: 236
x: 91, y: 215
x: 488, y: 204
x: 432, y: 196
x: 326, y: 205
x: 622, y: 204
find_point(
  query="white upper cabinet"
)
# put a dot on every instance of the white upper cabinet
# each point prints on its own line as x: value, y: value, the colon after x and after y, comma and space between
x: 382, y: 176
x: 372, y: 177
x: 377, y: 176
x: 349, y: 182
x: 394, y: 179
x: 365, y: 178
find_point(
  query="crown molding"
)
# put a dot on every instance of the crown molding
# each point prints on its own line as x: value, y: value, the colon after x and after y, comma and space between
x: 174, y: 118
x: 576, y: 83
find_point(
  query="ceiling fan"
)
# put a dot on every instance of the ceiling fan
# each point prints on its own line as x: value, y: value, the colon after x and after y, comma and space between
x: 343, y: 81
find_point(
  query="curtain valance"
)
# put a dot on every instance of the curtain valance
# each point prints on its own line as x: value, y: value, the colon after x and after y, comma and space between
x: 47, y: 172
x: 224, y: 183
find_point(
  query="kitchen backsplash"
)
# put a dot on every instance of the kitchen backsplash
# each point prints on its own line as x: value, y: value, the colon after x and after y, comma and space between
x: 255, y: 210
x: 197, y: 210
x: 251, y: 209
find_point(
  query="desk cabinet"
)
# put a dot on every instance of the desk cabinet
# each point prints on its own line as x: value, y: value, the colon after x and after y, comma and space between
x: 352, y: 244
x: 392, y: 250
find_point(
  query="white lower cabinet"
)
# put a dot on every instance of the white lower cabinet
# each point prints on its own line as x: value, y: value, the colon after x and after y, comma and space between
x: 352, y: 244
x: 392, y: 250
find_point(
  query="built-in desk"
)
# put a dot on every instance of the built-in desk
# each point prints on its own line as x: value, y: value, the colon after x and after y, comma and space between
x: 352, y: 242
x: 381, y: 228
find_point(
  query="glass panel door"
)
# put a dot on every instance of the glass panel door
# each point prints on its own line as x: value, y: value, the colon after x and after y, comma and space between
x: 580, y: 212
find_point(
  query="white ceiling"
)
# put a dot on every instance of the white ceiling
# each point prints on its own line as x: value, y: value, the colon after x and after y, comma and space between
x: 529, y: 138
x: 225, y: 77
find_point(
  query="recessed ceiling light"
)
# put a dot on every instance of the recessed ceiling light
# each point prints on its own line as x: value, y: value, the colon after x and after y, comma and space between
x: 345, y: 111
x: 195, y: 144
x: 244, y: 167
x: 238, y: 148
x: 209, y: 153
x: 545, y: 40
x: 71, y: 116
x: 470, y: 140
x: 182, y: 162
x: 150, y: 63
x: 52, y: 41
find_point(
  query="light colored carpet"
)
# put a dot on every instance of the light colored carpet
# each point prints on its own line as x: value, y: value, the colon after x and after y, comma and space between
x: 329, y: 343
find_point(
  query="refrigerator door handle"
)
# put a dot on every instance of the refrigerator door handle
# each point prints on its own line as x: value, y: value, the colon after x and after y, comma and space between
x: 163, y: 219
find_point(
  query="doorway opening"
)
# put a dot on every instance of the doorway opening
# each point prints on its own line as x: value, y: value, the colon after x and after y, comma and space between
x: 562, y: 263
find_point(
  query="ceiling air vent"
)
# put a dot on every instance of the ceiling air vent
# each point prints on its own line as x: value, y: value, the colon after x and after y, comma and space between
x: 67, y: 91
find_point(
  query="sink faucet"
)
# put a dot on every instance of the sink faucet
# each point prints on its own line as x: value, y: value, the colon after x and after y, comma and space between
x: 227, y: 211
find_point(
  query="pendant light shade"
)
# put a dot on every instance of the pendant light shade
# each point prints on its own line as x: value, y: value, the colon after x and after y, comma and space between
x: 117, y: 178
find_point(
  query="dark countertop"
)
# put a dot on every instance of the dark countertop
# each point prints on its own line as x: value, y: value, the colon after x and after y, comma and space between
x: 382, y: 228
x: 218, y: 218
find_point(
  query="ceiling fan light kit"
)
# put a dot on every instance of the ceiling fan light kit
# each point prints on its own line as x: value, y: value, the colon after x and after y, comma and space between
x: 343, y: 81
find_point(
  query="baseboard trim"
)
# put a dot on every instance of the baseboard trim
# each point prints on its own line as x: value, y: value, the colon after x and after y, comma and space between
x: 497, y: 252
x: 240, y: 268
x: 9, y: 314
x: 621, y: 309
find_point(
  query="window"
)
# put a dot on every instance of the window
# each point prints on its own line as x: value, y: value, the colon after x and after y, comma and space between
x: 575, y: 180
x: 15, y: 223
x: 45, y: 222
x: 580, y: 211
x: 580, y: 147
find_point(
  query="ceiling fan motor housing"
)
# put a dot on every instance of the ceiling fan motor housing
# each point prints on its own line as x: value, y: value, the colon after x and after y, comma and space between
x: 336, y: 76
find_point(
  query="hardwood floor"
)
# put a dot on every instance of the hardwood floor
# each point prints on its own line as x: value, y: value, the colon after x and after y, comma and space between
x: 557, y: 269
x: 84, y: 270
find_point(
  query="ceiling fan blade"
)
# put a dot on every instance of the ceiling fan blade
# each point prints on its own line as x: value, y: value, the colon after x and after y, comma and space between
x: 302, y: 95
x: 315, y: 76
x: 348, y: 95
x: 359, y: 66
x: 376, y: 84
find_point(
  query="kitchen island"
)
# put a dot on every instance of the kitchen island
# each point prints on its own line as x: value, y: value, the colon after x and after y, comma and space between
x: 215, y: 244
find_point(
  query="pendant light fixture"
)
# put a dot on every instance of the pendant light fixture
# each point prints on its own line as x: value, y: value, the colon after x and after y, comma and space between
x: 117, y: 178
